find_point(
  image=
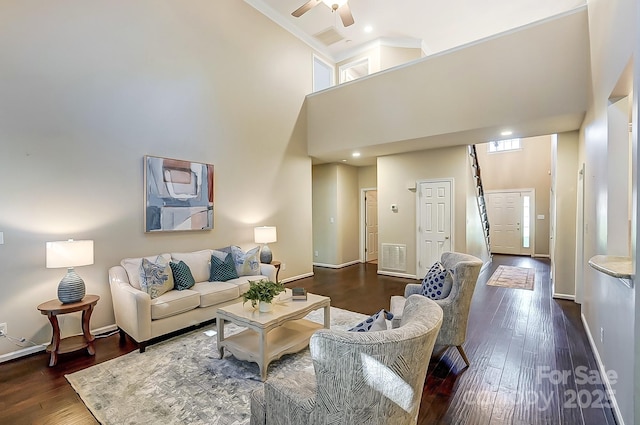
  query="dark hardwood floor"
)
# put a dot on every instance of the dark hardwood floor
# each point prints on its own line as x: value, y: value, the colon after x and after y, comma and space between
x: 516, y: 340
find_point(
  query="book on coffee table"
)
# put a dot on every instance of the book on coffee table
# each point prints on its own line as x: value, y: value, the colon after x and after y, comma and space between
x: 298, y: 294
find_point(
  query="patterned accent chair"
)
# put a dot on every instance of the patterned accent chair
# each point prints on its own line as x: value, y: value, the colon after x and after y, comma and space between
x: 466, y: 269
x: 360, y: 377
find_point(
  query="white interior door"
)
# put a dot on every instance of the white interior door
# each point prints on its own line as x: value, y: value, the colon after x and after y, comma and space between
x: 505, y: 213
x: 434, y: 223
x: 371, y: 225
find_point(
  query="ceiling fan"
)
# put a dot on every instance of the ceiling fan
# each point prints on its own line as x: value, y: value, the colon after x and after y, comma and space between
x: 341, y: 6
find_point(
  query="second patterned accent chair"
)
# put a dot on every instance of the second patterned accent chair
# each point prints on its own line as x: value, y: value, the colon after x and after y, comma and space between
x: 465, y: 269
x: 372, y: 378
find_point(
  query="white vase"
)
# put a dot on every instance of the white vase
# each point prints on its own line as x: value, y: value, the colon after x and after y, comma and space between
x: 265, y: 307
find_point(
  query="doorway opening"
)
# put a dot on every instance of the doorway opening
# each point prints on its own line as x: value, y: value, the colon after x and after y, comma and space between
x: 369, y: 226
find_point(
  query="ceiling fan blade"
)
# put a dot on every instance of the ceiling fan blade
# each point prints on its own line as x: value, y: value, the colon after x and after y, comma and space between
x: 345, y: 15
x: 305, y: 8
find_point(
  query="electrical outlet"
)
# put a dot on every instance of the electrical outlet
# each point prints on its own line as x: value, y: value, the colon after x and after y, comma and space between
x: 315, y: 253
x: 3, y: 329
x: 601, y: 334
x: 284, y: 266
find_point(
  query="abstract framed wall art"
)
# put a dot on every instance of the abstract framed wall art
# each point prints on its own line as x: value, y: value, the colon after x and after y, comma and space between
x: 178, y: 195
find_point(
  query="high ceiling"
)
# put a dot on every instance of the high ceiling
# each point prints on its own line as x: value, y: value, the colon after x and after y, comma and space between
x: 433, y: 26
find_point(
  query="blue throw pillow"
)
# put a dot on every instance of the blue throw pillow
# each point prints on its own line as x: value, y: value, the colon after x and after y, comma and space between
x: 222, y: 270
x: 437, y: 283
x: 377, y: 322
x: 182, y: 277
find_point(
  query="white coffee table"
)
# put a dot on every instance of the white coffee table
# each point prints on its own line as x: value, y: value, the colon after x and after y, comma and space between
x: 270, y: 335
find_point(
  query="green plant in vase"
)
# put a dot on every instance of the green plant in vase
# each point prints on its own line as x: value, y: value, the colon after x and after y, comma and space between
x: 262, y: 292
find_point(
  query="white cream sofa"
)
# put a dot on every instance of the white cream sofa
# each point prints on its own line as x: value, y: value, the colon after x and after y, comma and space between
x: 143, y: 318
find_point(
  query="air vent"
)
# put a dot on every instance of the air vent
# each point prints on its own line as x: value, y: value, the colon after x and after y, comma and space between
x: 329, y: 36
x: 394, y: 257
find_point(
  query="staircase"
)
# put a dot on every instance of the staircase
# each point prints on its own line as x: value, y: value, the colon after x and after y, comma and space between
x: 482, y: 206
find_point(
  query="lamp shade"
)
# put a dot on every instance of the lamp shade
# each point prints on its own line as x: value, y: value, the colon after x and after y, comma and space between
x: 69, y: 253
x: 265, y: 234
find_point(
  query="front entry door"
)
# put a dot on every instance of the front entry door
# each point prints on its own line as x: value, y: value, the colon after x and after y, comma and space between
x: 504, y: 210
x: 434, y: 223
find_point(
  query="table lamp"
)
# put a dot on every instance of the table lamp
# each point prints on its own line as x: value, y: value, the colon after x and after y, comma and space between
x: 70, y: 254
x: 265, y: 235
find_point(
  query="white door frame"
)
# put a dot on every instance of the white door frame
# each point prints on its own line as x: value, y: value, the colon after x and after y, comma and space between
x: 363, y: 222
x: 532, y: 215
x: 451, y: 181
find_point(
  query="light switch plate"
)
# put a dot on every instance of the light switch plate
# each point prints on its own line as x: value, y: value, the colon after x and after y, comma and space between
x: 1, y: 238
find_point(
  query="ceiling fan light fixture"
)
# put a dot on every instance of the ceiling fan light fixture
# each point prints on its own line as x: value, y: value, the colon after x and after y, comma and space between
x: 334, y: 4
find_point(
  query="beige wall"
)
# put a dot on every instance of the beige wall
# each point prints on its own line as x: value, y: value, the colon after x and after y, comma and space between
x: 89, y: 88
x: 528, y: 168
x: 394, y: 56
x: 348, y: 218
x: 396, y: 172
x: 609, y: 307
x: 382, y: 57
x: 335, y: 214
x: 325, y: 211
x: 565, y: 181
x: 367, y: 177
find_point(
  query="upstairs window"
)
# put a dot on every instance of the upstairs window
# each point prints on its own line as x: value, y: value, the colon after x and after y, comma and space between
x: 504, y: 145
x: 322, y: 74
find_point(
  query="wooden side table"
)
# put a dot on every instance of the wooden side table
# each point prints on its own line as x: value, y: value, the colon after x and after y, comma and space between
x: 52, y: 309
x: 277, y: 265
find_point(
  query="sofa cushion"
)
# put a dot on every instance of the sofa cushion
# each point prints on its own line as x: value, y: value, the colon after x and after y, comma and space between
x: 247, y: 263
x: 242, y: 282
x: 222, y: 270
x: 182, y: 277
x: 174, y: 302
x: 212, y: 293
x: 197, y: 261
x: 156, y: 277
x: 437, y: 283
x: 132, y: 266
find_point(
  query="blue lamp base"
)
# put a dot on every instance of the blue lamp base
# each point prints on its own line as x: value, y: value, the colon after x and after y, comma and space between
x: 265, y: 254
x: 71, y: 288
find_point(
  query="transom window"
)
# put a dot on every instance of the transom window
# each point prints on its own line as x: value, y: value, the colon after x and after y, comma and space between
x: 504, y: 145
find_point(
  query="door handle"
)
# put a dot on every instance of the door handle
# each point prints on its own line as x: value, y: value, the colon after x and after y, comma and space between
x: 446, y: 237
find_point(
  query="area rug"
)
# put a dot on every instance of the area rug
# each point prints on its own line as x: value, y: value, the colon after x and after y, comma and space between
x: 513, y: 277
x: 182, y: 380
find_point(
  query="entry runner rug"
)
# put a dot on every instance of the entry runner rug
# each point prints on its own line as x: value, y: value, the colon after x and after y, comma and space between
x: 513, y: 277
x: 182, y: 380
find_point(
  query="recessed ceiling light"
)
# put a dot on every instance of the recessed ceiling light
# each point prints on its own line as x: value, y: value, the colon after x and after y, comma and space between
x: 355, y: 154
x: 344, y: 160
x: 368, y: 28
x: 506, y: 133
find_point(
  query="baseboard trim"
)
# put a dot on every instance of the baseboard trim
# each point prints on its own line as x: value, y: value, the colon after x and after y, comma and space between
x: 337, y: 266
x: 602, y: 371
x: 540, y: 256
x: 22, y: 353
x: 396, y: 274
x: 565, y: 297
x: 27, y: 351
x: 104, y: 330
x: 298, y: 277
